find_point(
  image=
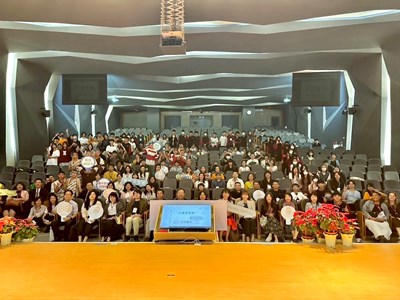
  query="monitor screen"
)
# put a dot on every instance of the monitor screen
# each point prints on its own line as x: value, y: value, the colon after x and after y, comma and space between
x: 186, y: 216
x: 318, y: 89
x: 84, y: 89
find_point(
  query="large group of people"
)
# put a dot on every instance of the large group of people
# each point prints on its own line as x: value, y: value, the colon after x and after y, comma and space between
x: 235, y: 166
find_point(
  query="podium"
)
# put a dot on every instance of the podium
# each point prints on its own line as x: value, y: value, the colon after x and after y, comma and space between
x: 185, y: 222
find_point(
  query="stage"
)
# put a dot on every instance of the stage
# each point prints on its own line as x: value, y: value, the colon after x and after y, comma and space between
x: 218, y: 271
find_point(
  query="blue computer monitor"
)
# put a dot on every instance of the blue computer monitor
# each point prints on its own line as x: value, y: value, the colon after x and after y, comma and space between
x: 186, y: 216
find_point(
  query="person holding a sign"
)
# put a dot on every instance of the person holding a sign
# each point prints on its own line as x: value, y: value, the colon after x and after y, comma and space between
x: 247, y: 223
x: 86, y: 223
x: 68, y: 219
x: 134, y: 212
x: 289, y: 226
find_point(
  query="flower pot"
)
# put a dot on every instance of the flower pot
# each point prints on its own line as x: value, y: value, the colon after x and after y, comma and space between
x: 28, y: 240
x: 330, y: 239
x: 347, y: 239
x: 6, y: 239
x: 307, y: 239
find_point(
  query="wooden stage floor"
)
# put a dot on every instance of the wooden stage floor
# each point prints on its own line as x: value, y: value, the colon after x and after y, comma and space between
x: 219, y: 271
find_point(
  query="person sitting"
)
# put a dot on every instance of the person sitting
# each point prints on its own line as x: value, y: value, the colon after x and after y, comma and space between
x: 67, y: 221
x: 394, y: 211
x: 291, y: 228
x: 148, y: 193
x: 333, y: 161
x: 230, y: 166
x: 19, y: 204
x: 202, y: 196
x: 266, y: 183
x: 111, y: 174
x: 38, y: 191
x: 37, y: 212
x: 119, y: 186
x: 74, y: 183
x: 180, y: 194
x: 269, y: 209
x: 247, y: 223
x: 324, y: 174
x: 201, y: 179
x: 336, y: 183
x: 88, y: 189
x: 236, y: 193
x: 85, y: 224
x: 235, y: 178
x: 249, y: 185
x: 50, y: 216
x: 218, y: 182
x: 134, y: 212
x: 276, y: 192
x: 351, y: 195
x: 111, y: 227
x: 243, y: 167
x: 295, y: 176
x: 313, y: 204
x: 323, y: 193
x: 297, y: 194
x: 377, y: 213
x: 370, y: 188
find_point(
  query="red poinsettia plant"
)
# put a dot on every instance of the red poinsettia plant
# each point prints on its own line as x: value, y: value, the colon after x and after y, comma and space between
x: 349, y: 225
x: 331, y: 220
x: 7, y: 225
x: 306, y: 222
x: 26, y: 229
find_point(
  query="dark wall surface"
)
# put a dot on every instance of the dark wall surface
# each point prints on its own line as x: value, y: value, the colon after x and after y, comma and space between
x: 32, y: 130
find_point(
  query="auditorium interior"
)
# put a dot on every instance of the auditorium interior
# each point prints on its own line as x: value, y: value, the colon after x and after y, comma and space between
x: 210, y: 148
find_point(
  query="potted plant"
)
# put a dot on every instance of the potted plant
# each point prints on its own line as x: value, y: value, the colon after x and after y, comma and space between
x: 26, y: 230
x: 347, y: 231
x: 307, y: 224
x: 330, y: 221
x: 7, y: 226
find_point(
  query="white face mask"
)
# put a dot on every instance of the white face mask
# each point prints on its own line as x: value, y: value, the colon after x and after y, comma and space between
x: 305, y: 172
x: 323, y: 169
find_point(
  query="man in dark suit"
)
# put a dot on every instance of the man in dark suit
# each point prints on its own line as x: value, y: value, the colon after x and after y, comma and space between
x: 38, y: 191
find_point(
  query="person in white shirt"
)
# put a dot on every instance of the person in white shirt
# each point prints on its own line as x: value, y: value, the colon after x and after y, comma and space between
x: 37, y: 212
x: 235, y: 178
x: 223, y: 140
x: 214, y: 142
x: 111, y: 148
x: 52, y: 155
x: 67, y: 221
x: 253, y: 160
x: 297, y: 194
x: 243, y: 167
x: 159, y: 174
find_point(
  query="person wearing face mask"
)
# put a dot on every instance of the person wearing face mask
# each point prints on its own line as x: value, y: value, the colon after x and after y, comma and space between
x: 295, y: 163
x: 324, y: 173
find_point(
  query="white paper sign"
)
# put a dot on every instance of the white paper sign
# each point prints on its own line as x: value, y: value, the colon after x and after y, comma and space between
x: 240, y: 210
